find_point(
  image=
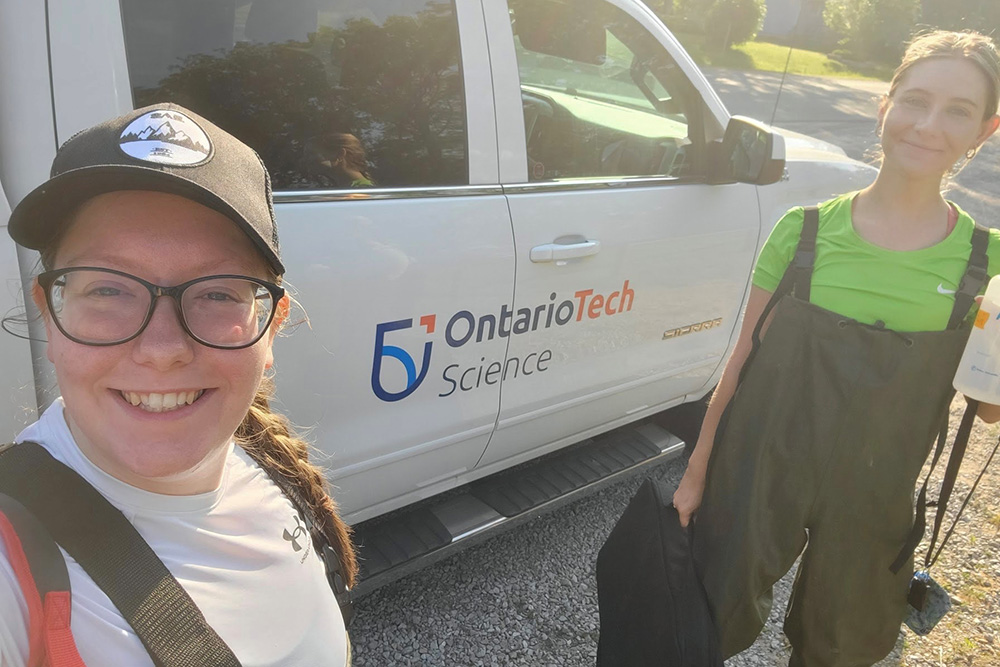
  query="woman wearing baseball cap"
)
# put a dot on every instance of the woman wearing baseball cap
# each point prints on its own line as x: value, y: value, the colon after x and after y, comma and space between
x: 160, y: 292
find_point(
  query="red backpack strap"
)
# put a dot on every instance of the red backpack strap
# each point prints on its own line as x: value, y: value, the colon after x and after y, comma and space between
x: 112, y: 552
x: 41, y: 572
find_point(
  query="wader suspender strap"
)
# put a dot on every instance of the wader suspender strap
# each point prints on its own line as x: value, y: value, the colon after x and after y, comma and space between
x: 975, y: 277
x: 112, y: 552
x: 796, y: 280
x: 805, y: 253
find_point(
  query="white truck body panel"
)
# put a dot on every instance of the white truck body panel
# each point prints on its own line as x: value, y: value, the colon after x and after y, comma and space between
x: 356, y: 265
x: 404, y: 376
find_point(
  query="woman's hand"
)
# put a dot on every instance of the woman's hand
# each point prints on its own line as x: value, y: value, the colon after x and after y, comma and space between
x: 687, y: 497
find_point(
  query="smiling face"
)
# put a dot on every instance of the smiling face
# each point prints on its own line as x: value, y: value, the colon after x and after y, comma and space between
x: 157, y: 412
x: 936, y: 114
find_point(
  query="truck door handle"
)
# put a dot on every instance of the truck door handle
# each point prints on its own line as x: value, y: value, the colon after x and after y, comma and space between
x: 552, y: 252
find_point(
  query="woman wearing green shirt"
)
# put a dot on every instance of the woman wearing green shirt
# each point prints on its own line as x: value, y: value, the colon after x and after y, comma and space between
x: 819, y: 441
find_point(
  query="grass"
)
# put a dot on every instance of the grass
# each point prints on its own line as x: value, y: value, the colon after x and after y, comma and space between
x: 768, y: 57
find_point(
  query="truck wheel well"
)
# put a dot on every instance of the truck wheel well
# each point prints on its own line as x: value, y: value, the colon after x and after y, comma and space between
x: 684, y: 420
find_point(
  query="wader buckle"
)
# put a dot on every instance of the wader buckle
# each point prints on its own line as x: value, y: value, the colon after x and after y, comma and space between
x: 975, y: 277
x: 804, y: 258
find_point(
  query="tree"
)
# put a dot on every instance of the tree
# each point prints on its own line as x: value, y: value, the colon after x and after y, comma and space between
x: 873, y: 29
x: 661, y: 8
x: 981, y: 15
x: 693, y: 11
x: 735, y: 21
x: 397, y: 87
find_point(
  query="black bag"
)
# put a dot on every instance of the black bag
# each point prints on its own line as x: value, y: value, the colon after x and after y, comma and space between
x: 652, y: 603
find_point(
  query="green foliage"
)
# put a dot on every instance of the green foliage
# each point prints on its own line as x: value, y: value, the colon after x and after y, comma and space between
x: 981, y: 15
x: 662, y: 8
x: 873, y: 29
x: 397, y: 87
x: 735, y: 21
x: 688, y: 16
x: 693, y: 9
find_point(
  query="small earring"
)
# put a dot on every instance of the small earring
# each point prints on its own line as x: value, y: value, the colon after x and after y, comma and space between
x: 971, y: 153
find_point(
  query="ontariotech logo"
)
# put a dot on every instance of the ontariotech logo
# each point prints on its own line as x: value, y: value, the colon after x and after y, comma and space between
x: 464, y: 327
x: 413, y: 377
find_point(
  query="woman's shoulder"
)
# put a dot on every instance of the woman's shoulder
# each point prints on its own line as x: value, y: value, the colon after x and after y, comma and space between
x: 52, y: 434
x: 993, y: 252
x: 833, y: 213
x: 967, y: 223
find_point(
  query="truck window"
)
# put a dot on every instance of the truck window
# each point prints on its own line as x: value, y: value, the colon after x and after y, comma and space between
x: 602, y: 98
x: 332, y: 94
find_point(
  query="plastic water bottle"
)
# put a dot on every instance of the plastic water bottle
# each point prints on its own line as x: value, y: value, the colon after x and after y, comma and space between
x: 978, y: 373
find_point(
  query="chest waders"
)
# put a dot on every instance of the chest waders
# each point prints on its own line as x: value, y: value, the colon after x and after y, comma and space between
x: 820, y: 449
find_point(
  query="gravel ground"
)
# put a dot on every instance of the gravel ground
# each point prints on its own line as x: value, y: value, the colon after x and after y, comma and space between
x: 529, y: 597
x: 969, y: 568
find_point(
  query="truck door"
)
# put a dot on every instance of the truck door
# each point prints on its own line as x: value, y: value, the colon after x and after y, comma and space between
x: 630, y: 268
x: 375, y: 119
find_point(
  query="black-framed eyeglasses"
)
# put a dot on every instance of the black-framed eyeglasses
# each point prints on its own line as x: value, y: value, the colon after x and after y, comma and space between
x: 97, y: 306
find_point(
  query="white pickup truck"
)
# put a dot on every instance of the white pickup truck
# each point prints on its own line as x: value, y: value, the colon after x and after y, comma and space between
x: 520, y: 229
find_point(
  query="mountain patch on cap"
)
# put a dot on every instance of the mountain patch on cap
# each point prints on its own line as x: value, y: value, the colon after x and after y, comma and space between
x: 166, y: 137
x: 163, y: 148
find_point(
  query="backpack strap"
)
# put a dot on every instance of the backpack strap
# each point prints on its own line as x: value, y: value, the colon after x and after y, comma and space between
x: 99, y: 537
x: 976, y: 275
x: 41, y: 573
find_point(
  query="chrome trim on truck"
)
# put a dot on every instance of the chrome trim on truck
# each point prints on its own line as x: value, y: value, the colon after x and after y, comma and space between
x: 363, y: 194
x: 592, y: 184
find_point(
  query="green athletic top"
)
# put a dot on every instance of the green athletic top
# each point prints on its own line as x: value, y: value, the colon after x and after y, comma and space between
x: 907, y: 290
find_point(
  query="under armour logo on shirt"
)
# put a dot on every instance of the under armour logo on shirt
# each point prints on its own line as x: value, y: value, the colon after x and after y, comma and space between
x: 295, y: 535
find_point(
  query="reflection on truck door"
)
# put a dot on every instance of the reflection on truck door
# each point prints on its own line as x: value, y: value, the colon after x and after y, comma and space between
x: 615, y: 165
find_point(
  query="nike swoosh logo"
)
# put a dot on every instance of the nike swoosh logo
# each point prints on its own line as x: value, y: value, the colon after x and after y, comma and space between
x: 944, y: 290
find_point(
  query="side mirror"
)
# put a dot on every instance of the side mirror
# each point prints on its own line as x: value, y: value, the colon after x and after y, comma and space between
x: 750, y: 153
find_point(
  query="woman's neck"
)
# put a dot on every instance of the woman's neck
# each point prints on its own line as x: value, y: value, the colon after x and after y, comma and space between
x: 204, y: 477
x: 901, y: 213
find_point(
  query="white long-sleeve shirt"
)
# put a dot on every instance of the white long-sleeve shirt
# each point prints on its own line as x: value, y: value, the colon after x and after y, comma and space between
x: 264, y: 594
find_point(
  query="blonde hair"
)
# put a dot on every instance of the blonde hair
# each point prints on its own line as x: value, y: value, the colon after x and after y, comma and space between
x: 973, y: 46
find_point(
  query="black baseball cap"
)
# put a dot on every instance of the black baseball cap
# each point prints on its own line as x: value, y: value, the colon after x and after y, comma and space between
x: 165, y: 148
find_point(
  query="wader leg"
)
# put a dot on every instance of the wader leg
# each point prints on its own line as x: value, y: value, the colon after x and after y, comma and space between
x: 739, y: 586
x: 748, y: 532
x: 846, y: 606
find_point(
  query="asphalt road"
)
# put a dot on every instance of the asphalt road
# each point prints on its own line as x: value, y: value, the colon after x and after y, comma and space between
x: 842, y: 111
x: 528, y: 597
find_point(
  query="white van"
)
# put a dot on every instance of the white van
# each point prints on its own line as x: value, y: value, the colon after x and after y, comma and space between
x: 520, y: 229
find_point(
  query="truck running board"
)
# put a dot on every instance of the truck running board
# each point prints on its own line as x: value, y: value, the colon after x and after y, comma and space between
x: 400, y: 544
